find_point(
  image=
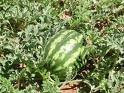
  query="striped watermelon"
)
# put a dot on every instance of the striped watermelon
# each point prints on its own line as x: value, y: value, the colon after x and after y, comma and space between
x: 62, y: 51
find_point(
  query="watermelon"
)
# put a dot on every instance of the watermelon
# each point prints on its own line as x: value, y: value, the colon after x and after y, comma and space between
x: 62, y: 51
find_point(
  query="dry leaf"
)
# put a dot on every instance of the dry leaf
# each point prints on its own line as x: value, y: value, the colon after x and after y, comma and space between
x: 66, y: 15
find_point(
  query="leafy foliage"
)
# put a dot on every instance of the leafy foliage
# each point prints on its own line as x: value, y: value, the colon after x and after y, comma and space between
x: 27, y: 25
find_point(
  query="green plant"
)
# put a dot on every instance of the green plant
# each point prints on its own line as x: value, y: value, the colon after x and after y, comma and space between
x: 26, y: 26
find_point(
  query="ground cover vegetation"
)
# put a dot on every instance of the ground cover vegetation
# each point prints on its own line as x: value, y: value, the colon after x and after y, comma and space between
x: 26, y: 26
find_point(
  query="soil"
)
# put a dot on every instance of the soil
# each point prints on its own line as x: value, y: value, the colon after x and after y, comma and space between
x: 75, y: 88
